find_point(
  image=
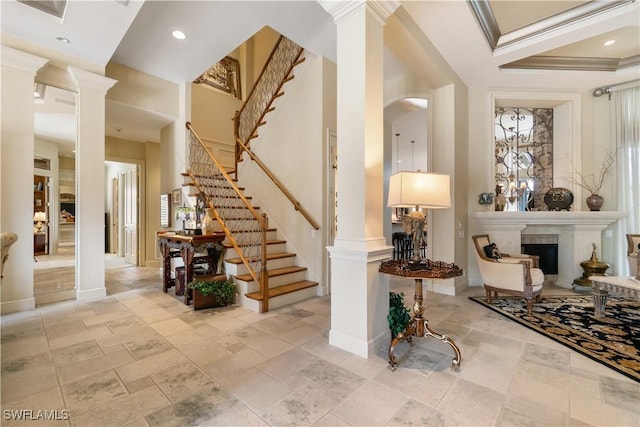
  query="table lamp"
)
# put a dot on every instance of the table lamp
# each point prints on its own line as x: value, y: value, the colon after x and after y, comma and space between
x: 39, y: 217
x: 418, y: 190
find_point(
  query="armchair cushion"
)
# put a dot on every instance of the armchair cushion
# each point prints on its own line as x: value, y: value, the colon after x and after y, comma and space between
x: 492, y: 251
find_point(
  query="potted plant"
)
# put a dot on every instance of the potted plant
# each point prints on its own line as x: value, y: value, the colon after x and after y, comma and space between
x: 211, y: 293
x: 399, y: 315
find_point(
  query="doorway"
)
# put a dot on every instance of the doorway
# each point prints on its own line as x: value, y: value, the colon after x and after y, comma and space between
x: 122, y: 218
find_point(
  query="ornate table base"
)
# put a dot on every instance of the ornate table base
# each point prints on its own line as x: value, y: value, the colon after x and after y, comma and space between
x: 627, y: 286
x: 418, y: 327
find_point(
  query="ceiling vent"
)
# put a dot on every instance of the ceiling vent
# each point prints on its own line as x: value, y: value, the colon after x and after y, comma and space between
x: 52, y: 7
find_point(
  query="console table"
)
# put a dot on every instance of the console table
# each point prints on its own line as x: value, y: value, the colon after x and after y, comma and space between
x: 601, y: 285
x: 418, y: 325
x: 186, y: 246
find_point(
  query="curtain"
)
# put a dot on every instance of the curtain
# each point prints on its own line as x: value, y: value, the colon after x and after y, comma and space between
x: 625, y: 128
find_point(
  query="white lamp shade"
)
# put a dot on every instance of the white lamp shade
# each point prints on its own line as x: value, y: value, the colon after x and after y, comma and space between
x: 426, y: 190
x: 40, y: 216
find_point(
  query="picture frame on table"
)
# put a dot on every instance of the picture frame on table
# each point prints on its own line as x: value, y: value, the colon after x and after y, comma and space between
x: 176, y: 197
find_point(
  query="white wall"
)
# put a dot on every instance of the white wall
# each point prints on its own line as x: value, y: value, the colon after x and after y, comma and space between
x: 291, y: 144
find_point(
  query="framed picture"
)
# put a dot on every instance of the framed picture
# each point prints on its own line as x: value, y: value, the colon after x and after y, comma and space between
x: 225, y: 75
x: 176, y: 197
x: 38, y: 202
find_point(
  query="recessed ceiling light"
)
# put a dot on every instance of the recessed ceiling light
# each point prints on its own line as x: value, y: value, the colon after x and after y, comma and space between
x: 179, y: 35
x: 609, y: 42
x: 63, y: 40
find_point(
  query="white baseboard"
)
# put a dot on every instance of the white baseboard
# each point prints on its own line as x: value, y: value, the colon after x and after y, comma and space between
x: 359, y: 348
x: 19, y: 305
x: 89, y: 294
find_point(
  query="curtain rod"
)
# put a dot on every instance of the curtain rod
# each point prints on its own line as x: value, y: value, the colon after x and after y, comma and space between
x: 607, y: 89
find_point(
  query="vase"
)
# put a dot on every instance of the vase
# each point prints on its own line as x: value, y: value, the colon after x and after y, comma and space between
x: 594, y: 202
x: 208, y: 223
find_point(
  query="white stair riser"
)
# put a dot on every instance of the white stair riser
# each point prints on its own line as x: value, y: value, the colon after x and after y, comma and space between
x: 293, y: 297
x: 238, y: 269
x: 274, y: 282
x: 279, y: 301
x: 271, y: 249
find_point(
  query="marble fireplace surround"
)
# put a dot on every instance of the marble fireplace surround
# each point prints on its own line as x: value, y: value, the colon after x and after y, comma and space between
x: 576, y: 232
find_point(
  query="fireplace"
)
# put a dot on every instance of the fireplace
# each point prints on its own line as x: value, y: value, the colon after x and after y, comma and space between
x: 572, y: 232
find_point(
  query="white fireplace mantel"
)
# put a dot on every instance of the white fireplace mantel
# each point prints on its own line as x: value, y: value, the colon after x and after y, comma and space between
x: 601, y: 219
x: 576, y: 231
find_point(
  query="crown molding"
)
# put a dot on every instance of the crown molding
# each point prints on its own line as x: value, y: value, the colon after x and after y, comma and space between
x: 497, y: 41
x: 339, y: 9
x: 572, y: 63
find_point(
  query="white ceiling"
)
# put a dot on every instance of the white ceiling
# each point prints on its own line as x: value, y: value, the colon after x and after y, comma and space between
x: 138, y: 34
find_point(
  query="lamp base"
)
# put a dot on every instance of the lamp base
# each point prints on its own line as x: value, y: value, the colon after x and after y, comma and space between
x: 417, y: 265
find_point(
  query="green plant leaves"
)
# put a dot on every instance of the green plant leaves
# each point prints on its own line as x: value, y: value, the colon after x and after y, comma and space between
x: 399, y: 315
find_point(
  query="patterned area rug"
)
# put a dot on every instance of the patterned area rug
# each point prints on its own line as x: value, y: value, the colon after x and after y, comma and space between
x: 613, y: 340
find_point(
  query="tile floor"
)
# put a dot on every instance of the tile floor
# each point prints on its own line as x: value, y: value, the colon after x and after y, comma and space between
x: 140, y: 357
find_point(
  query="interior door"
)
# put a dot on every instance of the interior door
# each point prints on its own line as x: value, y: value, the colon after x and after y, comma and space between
x: 115, y: 216
x: 131, y: 216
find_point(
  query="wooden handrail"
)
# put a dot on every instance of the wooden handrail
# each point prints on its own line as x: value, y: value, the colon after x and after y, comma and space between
x: 232, y: 240
x: 296, y: 204
x: 244, y: 145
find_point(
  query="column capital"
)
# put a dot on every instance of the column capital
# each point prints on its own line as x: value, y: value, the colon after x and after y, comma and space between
x: 339, y: 9
x: 84, y: 78
x: 20, y: 60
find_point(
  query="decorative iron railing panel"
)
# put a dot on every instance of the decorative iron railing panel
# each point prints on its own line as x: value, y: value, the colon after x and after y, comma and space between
x: 238, y: 218
x: 259, y: 101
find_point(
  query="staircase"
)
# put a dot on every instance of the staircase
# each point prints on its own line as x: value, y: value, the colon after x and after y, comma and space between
x: 287, y: 282
x: 256, y: 258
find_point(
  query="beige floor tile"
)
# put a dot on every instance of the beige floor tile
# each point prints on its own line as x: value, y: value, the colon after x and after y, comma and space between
x: 256, y: 389
x: 74, y: 371
x: 199, y: 409
x: 287, y: 364
x: 78, y: 337
x: 234, y: 364
x: 48, y: 400
x: 225, y: 323
x: 170, y: 327
x: 472, y: 403
x: 181, y: 381
x: 26, y: 382
x: 370, y: 405
x: 595, y: 412
x: 204, y: 351
x: 151, y: 365
x: 302, y: 408
x: 268, y: 345
x: 122, y: 410
x: 424, y: 388
x: 491, y: 366
x: 93, y: 391
x: 417, y: 414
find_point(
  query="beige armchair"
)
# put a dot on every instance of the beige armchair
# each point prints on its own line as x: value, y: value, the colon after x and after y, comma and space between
x: 633, y: 254
x: 509, y: 274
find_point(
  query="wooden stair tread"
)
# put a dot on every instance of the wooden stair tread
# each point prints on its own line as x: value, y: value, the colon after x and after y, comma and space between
x: 278, y: 255
x: 284, y: 289
x: 269, y: 242
x: 273, y: 273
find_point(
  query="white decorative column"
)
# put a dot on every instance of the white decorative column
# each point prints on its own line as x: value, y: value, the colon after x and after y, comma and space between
x: 16, y: 183
x: 360, y: 295
x: 90, y: 188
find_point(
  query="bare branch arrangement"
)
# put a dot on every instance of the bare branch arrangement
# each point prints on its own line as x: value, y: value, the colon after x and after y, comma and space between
x: 594, y: 182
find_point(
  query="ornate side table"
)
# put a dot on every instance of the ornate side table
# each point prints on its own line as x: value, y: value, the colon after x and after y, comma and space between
x: 418, y: 325
x: 627, y: 286
x: 186, y: 247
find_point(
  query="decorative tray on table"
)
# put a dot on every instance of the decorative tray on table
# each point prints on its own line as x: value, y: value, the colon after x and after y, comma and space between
x: 432, y: 269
